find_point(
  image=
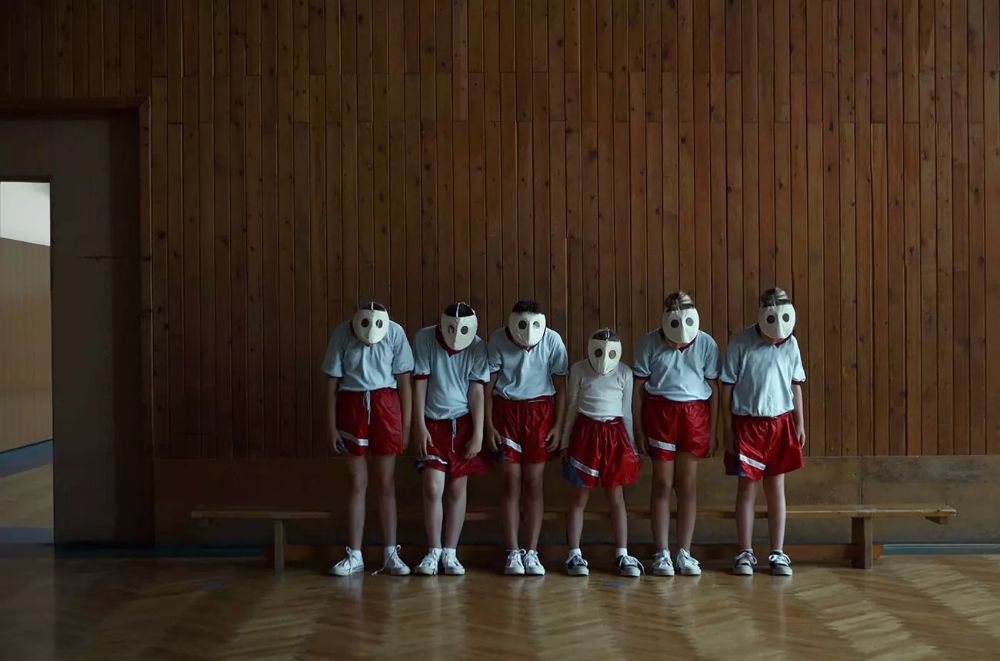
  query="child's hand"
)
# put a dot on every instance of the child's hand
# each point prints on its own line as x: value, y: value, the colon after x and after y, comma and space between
x: 493, y: 440
x: 474, y: 446
x: 337, y: 443
x: 422, y: 439
x: 800, y: 433
x: 552, y: 440
x: 641, y: 441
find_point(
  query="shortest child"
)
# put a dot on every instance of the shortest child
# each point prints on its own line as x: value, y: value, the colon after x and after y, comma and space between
x: 600, y: 449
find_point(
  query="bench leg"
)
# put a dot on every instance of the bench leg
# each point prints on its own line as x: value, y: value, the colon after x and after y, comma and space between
x: 863, y: 540
x: 279, y: 546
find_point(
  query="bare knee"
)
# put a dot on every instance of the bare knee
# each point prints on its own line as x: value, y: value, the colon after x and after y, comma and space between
x: 455, y: 491
x: 433, y: 488
x: 532, y: 486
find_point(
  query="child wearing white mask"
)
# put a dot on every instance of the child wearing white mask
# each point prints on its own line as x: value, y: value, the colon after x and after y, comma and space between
x: 369, y: 362
x: 675, y: 368
x: 765, y: 431
x: 599, y: 448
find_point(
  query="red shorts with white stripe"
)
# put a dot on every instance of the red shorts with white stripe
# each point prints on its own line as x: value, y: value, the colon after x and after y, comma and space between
x: 370, y: 422
x: 673, y: 427
x: 765, y: 447
x: 600, y: 454
x: 523, y: 426
x: 447, y: 451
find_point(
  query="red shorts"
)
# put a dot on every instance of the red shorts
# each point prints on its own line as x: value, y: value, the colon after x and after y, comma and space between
x: 765, y: 446
x: 523, y: 425
x: 448, y: 439
x: 673, y: 427
x: 370, y: 421
x: 600, y: 454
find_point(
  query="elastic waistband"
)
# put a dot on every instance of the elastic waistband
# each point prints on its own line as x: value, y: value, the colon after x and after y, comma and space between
x: 661, y: 398
x: 762, y: 418
x: 600, y: 422
x: 360, y: 393
x: 536, y: 400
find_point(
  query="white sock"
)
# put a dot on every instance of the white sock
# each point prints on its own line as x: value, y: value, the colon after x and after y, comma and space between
x: 660, y: 552
x: 434, y: 551
x: 354, y: 554
x: 388, y: 552
x: 573, y: 552
x: 619, y: 552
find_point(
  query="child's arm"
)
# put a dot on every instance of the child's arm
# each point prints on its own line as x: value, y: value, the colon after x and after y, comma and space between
x: 800, y: 415
x: 627, y: 407
x: 492, y: 437
x: 552, y: 440
x: 572, y: 407
x: 475, y: 444
x: 713, y: 405
x: 335, y: 441
x: 728, y: 440
x: 404, y: 384
x: 640, y: 434
x: 421, y: 436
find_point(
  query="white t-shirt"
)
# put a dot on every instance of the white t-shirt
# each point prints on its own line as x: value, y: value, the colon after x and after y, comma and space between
x: 363, y: 368
x: 680, y: 375
x: 762, y: 374
x: 448, y: 373
x: 526, y: 373
x: 599, y: 397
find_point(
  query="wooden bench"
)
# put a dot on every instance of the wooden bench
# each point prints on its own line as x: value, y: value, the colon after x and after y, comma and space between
x: 277, y: 517
x: 862, y: 517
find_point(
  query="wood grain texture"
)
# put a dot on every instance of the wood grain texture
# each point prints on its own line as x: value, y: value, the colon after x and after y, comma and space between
x: 593, y: 154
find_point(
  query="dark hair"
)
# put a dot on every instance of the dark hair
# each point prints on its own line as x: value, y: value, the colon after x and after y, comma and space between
x: 679, y: 300
x: 372, y: 305
x: 607, y: 335
x: 528, y: 305
x: 774, y: 296
x: 459, y: 310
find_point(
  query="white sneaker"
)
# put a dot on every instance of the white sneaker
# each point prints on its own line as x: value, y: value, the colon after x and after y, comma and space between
x: 662, y: 565
x: 515, y: 563
x: 577, y: 566
x: 451, y: 565
x: 781, y: 564
x: 352, y: 564
x: 629, y: 565
x: 744, y: 564
x: 394, y: 565
x: 687, y: 565
x: 429, y: 565
x: 532, y: 565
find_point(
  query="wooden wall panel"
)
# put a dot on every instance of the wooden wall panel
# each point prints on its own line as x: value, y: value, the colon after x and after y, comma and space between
x: 308, y: 155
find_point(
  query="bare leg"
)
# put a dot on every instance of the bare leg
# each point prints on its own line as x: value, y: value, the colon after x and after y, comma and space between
x: 433, y: 482
x: 533, y: 497
x: 659, y: 502
x: 619, y: 517
x: 774, y: 489
x: 385, y: 471
x: 510, y: 506
x: 356, y: 500
x: 687, y: 498
x: 574, y: 518
x: 746, y: 494
x: 455, y: 516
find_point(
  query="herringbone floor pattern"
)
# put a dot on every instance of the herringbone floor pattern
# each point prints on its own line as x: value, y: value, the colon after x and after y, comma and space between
x: 101, y: 609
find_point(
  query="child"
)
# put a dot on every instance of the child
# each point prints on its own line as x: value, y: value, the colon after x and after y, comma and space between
x: 524, y: 419
x: 369, y: 363
x: 600, y: 447
x: 450, y: 370
x: 762, y: 389
x: 675, y: 369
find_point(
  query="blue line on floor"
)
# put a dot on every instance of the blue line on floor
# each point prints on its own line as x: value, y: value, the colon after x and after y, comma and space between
x: 25, y: 458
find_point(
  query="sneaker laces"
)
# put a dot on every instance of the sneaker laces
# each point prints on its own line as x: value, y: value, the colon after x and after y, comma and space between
x: 779, y: 558
x: 430, y: 560
x: 349, y: 561
x: 631, y: 561
x: 530, y: 557
x: 661, y: 558
x: 687, y: 557
x: 391, y: 561
x: 748, y: 557
x: 515, y: 553
x: 576, y: 560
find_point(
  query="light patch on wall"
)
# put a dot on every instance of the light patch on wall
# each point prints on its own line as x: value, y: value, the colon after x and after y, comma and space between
x: 24, y: 211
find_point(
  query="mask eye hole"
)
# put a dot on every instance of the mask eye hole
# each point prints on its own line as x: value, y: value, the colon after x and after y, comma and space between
x: 451, y: 329
x: 537, y: 324
x: 378, y: 324
x: 612, y: 354
x: 786, y: 317
x: 674, y: 323
x: 689, y: 321
x: 465, y: 330
x: 771, y: 319
x: 522, y: 324
x: 365, y: 323
x: 598, y: 353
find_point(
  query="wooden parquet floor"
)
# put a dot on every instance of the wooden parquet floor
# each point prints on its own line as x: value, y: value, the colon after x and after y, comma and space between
x: 101, y: 609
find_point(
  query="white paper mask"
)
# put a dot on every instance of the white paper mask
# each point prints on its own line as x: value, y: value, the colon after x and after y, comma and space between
x: 777, y: 321
x: 370, y: 325
x: 681, y: 326
x: 459, y: 332
x: 526, y: 328
x: 604, y: 355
